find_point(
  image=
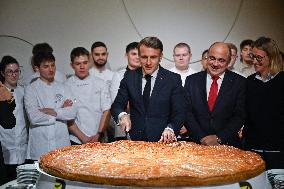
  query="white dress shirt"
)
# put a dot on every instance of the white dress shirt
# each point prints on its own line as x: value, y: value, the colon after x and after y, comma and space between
x: 209, y: 81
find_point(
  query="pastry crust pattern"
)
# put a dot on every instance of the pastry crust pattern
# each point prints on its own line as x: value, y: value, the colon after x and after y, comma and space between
x: 130, y: 163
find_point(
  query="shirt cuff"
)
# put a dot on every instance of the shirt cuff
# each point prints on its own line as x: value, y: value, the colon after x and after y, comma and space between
x: 170, y: 129
x: 121, y: 114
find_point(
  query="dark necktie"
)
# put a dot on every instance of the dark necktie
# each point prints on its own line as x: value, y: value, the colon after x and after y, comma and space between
x: 213, y: 93
x: 146, y: 92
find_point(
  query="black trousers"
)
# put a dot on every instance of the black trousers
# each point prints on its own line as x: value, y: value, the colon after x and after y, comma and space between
x: 11, y: 172
x: 273, y: 160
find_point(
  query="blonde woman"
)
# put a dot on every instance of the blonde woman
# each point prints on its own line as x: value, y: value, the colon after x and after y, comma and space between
x: 264, y: 127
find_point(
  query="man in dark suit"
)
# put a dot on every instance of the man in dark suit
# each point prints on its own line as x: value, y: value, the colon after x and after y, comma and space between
x: 155, y: 96
x: 216, y: 98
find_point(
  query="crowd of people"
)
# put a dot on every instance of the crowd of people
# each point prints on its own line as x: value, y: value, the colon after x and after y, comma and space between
x: 226, y: 102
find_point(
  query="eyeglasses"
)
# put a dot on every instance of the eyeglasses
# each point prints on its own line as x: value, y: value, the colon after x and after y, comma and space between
x: 220, y: 60
x: 11, y: 72
x: 257, y: 57
x: 204, y: 58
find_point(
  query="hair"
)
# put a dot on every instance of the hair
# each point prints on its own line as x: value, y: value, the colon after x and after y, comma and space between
x: 204, y: 52
x: 233, y: 46
x: 246, y: 42
x: 181, y: 45
x: 229, y: 50
x: 6, y: 60
x: 269, y: 46
x: 98, y: 44
x: 131, y: 46
x: 78, y: 51
x: 41, y: 57
x: 42, y: 47
x: 151, y: 42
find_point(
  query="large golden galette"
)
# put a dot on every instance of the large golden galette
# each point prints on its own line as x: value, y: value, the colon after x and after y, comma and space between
x: 130, y: 163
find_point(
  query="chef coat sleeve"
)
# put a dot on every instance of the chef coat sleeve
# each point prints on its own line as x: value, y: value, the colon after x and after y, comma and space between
x: 32, y: 106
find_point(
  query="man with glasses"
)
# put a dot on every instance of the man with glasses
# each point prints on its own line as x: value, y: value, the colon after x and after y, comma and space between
x: 216, y: 100
x: 155, y: 97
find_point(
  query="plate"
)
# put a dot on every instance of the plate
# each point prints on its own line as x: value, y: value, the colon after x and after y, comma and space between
x: 26, y: 167
x: 42, y: 172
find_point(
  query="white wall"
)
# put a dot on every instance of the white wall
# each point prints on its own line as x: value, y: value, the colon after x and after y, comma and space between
x: 66, y: 24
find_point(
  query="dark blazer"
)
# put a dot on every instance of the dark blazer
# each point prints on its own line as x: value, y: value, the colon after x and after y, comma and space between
x: 166, y: 106
x: 228, y: 114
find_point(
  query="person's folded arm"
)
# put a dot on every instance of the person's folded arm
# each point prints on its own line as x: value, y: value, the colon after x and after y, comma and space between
x: 36, y: 117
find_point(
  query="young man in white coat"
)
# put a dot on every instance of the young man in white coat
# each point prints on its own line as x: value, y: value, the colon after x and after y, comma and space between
x: 49, y: 105
x: 92, y: 99
x: 131, y: 54
x: 99, y: 58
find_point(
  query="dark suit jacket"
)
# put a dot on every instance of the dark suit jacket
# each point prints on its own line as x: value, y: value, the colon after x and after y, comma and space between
x: 228, y: 114
x: 166, y: 106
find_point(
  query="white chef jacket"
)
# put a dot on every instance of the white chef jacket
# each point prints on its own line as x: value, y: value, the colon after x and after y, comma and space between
x: 115, y: 83
x: 14, y: 141
x: 92, y: 99
x: 47, y: 132
x: 105, y: 74
x: 183, y: 75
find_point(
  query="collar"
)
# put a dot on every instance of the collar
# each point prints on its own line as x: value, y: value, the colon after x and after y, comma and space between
x: 100, y: 70
x: 77, y: 78
x: 220, y: 76
x: 182, y: 71
x: 269, y: 77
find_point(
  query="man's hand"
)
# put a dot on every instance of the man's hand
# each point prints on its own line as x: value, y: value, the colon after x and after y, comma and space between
x: 240, y: 133
x: 67, y: 103
x: 94, y: 138
x: 85, y: 139
x: 168, y: 136
x: 209, y: 140
x: 5, y: 94
x: 48, y: 111
x: 125, y: 123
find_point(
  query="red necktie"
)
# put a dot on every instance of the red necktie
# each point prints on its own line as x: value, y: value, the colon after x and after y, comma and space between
x: 213, y: 93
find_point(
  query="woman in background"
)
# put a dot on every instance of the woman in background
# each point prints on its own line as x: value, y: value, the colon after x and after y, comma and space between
x: 264, y: 127
x: 13, y: 131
